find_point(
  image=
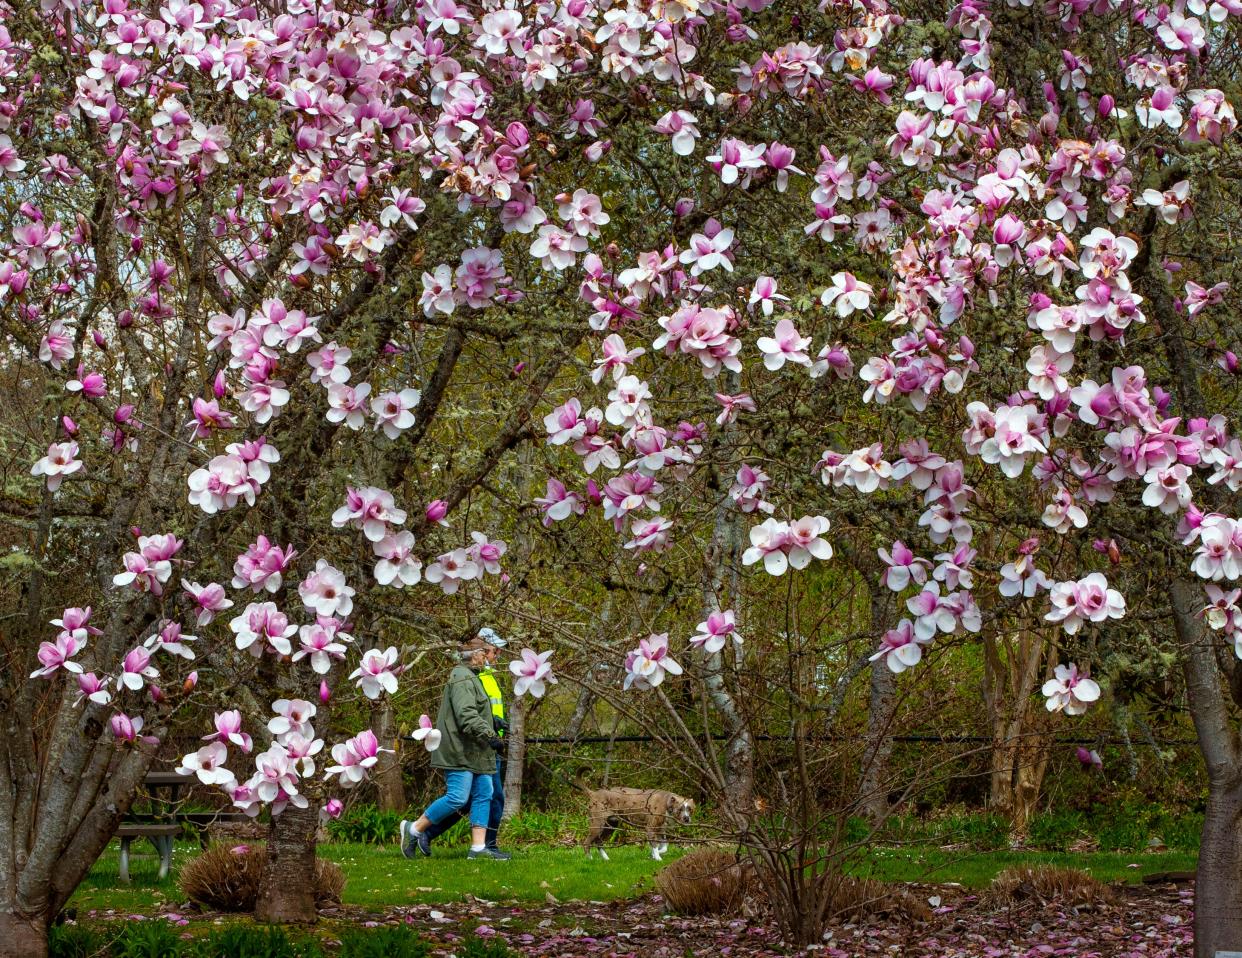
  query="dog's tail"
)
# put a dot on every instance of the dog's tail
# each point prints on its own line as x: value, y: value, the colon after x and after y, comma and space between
x: 579, y: 780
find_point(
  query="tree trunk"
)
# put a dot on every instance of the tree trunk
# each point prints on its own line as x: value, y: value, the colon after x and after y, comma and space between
x: 873, y: 783
x: 1218, y: 880
x: 515, y: 739
x: 389, y: 785
x: 22, y: 936
x: 1020, y: 734
x: 288, y: 893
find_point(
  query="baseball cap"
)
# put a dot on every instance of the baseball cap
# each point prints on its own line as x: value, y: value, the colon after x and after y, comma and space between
x: 489, y: 636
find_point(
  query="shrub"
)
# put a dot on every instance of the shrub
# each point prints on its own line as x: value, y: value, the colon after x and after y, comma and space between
x: 251, y: 941
x: 863, y: 897
x: 76, y: 941
x: 390, y: 941
x: 148, y: 939
x: 366, y: 825
x: 476, y: 947
x: 1047, y: 883
x: 709, y: 881
x: 228, y: 879
x: 1055, y: 831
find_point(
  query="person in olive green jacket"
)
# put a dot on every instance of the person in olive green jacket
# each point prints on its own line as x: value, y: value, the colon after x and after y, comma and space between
x: 467, y: 756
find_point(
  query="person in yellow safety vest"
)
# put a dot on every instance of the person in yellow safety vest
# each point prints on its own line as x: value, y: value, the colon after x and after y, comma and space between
x: 491, y: 685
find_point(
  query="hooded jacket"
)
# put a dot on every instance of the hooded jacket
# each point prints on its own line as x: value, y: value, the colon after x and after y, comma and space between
x: 465, y: 724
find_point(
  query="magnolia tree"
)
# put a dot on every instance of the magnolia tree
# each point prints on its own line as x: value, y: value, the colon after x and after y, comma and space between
x: 933, y: 290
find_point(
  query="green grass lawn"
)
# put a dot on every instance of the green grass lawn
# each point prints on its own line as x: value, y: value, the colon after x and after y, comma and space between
x: 378, y: 876
x: 977, y: 869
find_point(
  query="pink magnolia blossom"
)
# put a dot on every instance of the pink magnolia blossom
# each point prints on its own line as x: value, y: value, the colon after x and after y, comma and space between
x: 376, y: 673
x: 397, y: 565
x: 355, y: 758
x: 848, y: 293
x: 58, y: 654
x: 208, y: 764
x: 370, y: 509
x: 558, y: 503
x: 1070, y: 691
x: 209, y: 600
x: 61, y: 461
x: 321, y: 643
x: 394, y: 411
x: 136, y: 670
x: 124, y: 728
x: 1087, y: 600
x: 228, y: 730
x: 451, y: 569
x: 427, y: 733
x: 293, y: 717
x: 903, y: 567
x: 532, y: 673
x: 786, y: 345
x: 262, y: 566
x: 325, y: 592
x: 901, y: 648
x: 714, y: 631
x: 486, y: 552
x: 93, y: 689
x: 262, y: 627
x: 647, y: 665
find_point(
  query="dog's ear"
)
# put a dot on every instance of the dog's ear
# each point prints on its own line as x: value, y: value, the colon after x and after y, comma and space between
x: 672, y: 803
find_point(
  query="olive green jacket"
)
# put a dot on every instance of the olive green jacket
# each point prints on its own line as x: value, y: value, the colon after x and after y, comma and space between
x: 465, y: 724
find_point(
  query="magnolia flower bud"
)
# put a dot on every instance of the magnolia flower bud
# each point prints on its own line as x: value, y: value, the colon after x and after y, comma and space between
x: 684, y: 207
x: 1106, y: 104
x: 325, y: 693
x: 437, y: 509
x: 71, y: 427
x: 124, y: 413
x: 191, y: 680
x: 156, y: 693
x: 99, y: 338
x: 217, y: 387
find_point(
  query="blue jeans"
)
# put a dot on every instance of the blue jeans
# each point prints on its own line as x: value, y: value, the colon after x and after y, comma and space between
x: 463, y: 789
x: 495, y: 812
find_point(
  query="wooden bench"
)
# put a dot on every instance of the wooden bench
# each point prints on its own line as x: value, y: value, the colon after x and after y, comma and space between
x: 161, y: 836
x: 201, y: 821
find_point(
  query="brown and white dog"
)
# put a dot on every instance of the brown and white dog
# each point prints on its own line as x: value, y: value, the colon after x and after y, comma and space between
x: 650, y: 810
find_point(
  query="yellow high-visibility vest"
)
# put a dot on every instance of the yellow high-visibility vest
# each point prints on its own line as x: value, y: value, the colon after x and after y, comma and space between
x: 492, y: 688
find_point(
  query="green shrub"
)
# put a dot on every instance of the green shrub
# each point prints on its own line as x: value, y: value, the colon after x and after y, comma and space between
x: 76, y: 941
x: 149, y: 939
x: 367, y: 825
x: 1123, y: 828
x: 1055, y: 831
x: 390, y: 941
x: 252, y: 941
x: 1182, y: 832
x: 476, y: 947
x: 983, y: 832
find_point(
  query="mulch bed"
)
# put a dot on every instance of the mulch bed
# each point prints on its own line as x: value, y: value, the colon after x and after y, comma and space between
x: 1144, y: 922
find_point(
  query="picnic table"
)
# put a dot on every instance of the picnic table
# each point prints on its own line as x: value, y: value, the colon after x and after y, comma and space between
x: 165, y: 821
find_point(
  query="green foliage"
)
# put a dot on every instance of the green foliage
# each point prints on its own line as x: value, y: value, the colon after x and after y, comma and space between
x: 366, y: 825
x: 391, y: 941
x: 1056, y: 830
x: 253, y: 941
x: 148, y: 939
x: 76, y: 941
x: 484, y: 948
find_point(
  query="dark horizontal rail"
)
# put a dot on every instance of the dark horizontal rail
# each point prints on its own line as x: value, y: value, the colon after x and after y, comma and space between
x: 953, y: 739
